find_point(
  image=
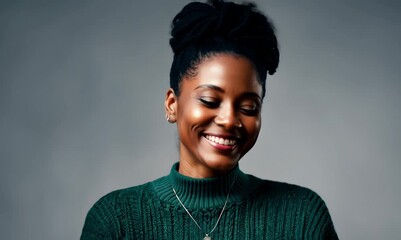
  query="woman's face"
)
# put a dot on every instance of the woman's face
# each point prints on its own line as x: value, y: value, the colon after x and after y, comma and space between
x: 217, y: 115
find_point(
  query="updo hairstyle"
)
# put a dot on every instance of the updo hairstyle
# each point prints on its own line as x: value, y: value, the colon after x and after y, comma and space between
x: 203, y: 30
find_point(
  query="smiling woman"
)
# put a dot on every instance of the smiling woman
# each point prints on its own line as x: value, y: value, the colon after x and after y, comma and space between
x: 222, y: 54
x: 217, y: 115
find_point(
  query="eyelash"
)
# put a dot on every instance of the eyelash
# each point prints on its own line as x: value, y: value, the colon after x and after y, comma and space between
x: 250, y: 112
x: 210, y: 104
x: 215, y: 104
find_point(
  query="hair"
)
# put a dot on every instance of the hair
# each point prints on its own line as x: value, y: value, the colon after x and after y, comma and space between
x: 202, y: 30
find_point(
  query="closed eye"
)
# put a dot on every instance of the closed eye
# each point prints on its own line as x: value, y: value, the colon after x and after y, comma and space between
x: 250, y: 110
x: 209, y: 102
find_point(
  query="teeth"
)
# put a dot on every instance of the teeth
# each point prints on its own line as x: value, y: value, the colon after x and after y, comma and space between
x: 222, y: 141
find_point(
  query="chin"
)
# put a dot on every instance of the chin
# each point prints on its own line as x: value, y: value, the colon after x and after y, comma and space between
x: 222, y: 165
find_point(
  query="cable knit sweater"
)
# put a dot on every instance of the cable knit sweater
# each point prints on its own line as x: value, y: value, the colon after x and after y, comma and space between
x: 256, y: 209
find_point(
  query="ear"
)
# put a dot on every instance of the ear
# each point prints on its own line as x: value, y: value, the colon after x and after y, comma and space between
x: 170, y: 105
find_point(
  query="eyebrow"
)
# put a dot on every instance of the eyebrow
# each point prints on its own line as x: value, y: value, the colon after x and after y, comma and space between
x: 210, y: 86
x: 219, y: 89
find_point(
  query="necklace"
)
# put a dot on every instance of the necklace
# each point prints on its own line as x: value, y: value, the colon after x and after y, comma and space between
x: 207, y: 237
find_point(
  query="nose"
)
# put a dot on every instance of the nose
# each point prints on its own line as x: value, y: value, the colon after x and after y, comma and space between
x: 228, y: 117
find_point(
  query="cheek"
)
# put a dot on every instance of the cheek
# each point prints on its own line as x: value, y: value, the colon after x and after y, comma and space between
x: 196, y: 113
x: 194, y: 116
x: 257, y: 127
x: 253, y: 127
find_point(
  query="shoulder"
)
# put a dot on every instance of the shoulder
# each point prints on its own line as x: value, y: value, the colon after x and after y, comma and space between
x: 275, y: 189
x: 106, y: 216
x: 122, y: 195
x: 288, y: 195
x: 303, y: 202
x: 121, y: 199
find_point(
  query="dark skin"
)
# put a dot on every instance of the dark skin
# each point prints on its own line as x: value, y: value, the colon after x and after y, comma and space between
x: 218, y: 115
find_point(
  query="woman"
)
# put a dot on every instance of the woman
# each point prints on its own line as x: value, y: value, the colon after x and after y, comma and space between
x: 222, y: 54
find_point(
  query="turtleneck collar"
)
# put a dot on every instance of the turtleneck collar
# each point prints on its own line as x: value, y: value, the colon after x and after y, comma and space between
x: 205, y: 192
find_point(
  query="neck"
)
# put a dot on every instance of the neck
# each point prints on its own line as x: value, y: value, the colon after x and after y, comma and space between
x: 205, y: 192
x: 200, y: 171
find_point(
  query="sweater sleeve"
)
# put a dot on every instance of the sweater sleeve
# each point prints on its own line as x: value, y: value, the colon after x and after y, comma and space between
x: 320, y: 224
x: 99, y: 221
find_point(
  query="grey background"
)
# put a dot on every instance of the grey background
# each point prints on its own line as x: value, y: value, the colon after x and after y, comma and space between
x: 82, y: 85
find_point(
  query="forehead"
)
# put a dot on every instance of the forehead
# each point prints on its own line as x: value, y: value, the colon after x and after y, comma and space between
x: 229, y: 72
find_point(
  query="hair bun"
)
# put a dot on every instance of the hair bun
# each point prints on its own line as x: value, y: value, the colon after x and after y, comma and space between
x: 192, y: 24
x: 199, y: 23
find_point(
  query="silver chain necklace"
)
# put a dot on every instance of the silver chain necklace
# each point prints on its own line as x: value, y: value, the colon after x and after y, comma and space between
x: 207, y: 237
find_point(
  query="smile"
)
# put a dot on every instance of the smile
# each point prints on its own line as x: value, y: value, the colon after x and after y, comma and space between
x: 221, y: 141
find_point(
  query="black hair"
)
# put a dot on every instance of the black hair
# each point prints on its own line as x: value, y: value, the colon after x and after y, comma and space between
x: 201, y: 30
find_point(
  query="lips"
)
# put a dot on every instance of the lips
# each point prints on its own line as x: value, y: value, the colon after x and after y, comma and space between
x: 221, y: 140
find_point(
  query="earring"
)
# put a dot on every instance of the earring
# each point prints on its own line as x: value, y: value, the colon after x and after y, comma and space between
x: 169, y: 117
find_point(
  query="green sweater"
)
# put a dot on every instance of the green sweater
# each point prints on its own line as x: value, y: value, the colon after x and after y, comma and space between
x: 256, y: 209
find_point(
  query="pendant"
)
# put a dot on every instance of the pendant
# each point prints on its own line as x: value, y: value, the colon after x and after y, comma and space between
x: 207, y: 237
